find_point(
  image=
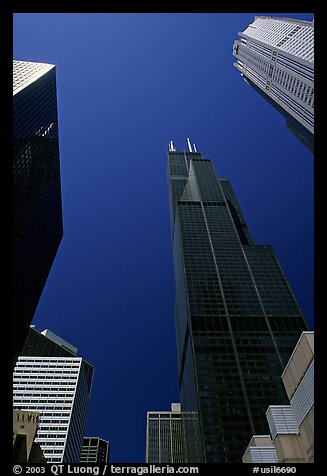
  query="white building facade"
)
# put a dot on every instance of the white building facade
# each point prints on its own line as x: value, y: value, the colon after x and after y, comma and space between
x: 56, y: 388
x: 26, y: 72
x: 291, y: 438
x: 276, y: 57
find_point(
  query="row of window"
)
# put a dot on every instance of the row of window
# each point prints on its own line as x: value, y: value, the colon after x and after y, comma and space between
x: 47, y: 442
x: 255, y: 76
x: 300, y: 89
x: 258, y: 48
x: 293, y: 84
x: 47, y: 451
x: 64, y: 420
x: 52, y: 428
x: 52, y: 360
x: 302, y: 70
x: 297, y: 109
x: 42, y: 396
x: 30, y: 405
x: 43, y: 376
x: 45, y: 365
x: 62, y: 389
x: 57, y: 379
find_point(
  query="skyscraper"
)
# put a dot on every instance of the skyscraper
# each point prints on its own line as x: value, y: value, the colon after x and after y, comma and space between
x: 50, y: 379
x: 164, y: 436
x: 94, y: 450
x: 37, y: 209
x: 237, y: 320
x: 276, y: 57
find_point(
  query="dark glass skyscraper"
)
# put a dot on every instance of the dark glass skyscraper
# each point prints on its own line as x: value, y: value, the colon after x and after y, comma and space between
x: 37, y: 210
x: 237, y: 320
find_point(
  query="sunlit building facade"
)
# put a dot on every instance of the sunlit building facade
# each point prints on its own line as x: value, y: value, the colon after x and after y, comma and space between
x: 53, y: 381
x: 291, y: 438
x: 25, y: 450
x: 164, y: 436
x: 276, y: 57
x: 237, y: 320
x: 37, y: 207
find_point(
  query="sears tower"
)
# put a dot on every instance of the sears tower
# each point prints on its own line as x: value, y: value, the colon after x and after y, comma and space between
x: 237, y: 320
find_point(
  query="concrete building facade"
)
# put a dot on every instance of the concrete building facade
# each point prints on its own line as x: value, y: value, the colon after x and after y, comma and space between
x: 25, y: 426
x: 291, y: 438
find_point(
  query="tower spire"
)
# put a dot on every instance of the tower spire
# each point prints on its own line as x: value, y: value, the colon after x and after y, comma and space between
x: 171, y: 147
x: 190, y: 148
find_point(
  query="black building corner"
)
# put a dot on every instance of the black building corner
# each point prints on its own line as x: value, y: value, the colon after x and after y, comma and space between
x: 37, y: 208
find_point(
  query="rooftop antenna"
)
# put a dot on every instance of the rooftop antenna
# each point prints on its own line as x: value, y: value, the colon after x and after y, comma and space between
x: 189, y: 145
x: 171, y: 147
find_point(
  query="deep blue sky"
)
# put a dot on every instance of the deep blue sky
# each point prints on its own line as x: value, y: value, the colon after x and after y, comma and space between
x: 127, y: 84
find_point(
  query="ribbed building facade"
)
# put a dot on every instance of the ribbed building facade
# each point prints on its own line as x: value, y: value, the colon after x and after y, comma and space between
x: 276, y: 57
x: 95, y: 450
x: 53, y: 381
x: 237, y: 320
x: 164, y: 436
x: 37, y: 207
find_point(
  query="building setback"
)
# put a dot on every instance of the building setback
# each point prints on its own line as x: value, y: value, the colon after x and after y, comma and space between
x: 164, y: 436
x: 291, y: 438
x: 237, y: 320
x: 276, y: 57
x: 49, y: 378
x: 37, y: 208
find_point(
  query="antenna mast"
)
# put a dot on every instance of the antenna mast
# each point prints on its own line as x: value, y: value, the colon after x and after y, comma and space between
x: 171, y: 147
x: 190, y: 146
